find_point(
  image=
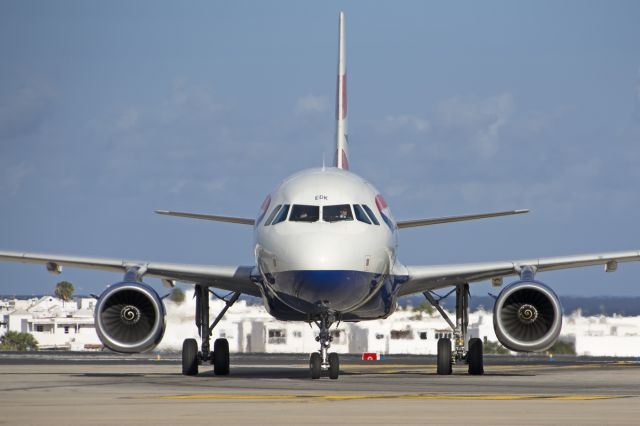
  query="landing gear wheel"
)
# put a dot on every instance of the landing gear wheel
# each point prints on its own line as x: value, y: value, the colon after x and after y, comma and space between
x: 190, y: 357
x: 315, y: 365
x: 334, y: 366
x: 444, y: 357
x: 474, y: 357
x: 221, y: 357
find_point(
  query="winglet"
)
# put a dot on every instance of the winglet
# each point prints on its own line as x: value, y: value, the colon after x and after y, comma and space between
x: 342, y: 148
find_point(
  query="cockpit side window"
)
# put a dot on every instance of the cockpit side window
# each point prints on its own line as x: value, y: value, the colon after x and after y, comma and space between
x: 371, y: 215
x: 302, y: 213
x: 360, y: 214
x: 337, y: 213
x: 282, y: 216
x: 272, y: 215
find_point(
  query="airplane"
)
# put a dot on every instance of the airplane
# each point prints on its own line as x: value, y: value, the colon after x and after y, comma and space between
x: 325, y: 245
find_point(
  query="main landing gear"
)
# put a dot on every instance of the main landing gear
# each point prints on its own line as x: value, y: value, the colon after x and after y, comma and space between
x: 219, y: 357
x: 464, y: 351
x: 324, y: 361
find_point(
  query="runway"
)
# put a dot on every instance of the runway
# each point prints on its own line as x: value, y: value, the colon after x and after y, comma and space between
x: 105, y: 388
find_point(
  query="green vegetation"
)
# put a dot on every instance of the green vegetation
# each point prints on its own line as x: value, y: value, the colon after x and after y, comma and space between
x: 177, y: 295
x: 15, y: 341
x: 64, y: 291
x: 421, y: 309
x: 562, y: 347
x: 490, y: 347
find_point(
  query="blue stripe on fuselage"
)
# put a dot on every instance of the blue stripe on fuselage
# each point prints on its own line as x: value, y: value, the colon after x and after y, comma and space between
x: 310, y: 292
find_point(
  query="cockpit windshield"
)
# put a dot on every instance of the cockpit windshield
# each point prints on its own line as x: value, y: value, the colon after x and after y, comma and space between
x: 308, y: 213
x: 282, y: 216
x: 337, y: 213
x: 272, y: 215
x: 303, y: 213
x: 360, y: 214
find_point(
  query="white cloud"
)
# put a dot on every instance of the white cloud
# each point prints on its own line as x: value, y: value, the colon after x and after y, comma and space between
x: 190, y: 101
x: 128, y: 119
x: 24, y: 111
x: 312, y: 104
x: 216, y: 185
x: 480, y: 120
x: 637, y: 95
x: 14, y: 177
x: 407, y: 121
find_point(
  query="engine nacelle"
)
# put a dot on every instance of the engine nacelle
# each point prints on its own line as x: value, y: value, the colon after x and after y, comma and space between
x: 130, y: 317
x: 527, y: 316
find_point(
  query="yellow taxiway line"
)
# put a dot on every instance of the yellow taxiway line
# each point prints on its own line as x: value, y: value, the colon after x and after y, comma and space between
x: 342, y: 397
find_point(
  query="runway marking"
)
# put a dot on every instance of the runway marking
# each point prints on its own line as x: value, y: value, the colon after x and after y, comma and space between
x: 342, y: 397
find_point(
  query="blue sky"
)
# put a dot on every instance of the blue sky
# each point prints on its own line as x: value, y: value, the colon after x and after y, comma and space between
x: 109, y: 110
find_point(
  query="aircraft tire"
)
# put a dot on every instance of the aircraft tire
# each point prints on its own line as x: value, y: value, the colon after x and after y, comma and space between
x: 444, y: 357
x: 334, y: 366
x: 474, y: 357
x: 315, y: 365
x: 190, y: 357
x: 221, y: 357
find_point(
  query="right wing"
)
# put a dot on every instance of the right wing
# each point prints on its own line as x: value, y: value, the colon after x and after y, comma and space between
x: 229, y: 219
x: 232, y: 278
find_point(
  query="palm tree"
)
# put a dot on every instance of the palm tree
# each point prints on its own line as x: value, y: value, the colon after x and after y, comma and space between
x: 64, y: 291
x: 177, y: 296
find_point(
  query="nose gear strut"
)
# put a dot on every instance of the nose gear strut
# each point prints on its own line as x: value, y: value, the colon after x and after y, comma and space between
x: 323, y: 360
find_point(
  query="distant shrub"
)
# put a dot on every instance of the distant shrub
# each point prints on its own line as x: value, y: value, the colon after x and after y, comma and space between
x: 562, y: 347
x: 491, y: 347
x: 15, y: 341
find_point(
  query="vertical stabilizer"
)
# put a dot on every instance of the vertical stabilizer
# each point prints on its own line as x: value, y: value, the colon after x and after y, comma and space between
x: 342, y: 148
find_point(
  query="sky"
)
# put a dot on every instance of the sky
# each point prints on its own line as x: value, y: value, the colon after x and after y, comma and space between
x: 110, y: 110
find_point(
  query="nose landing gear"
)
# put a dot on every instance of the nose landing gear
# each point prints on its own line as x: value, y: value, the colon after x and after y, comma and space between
x: 323, y: 361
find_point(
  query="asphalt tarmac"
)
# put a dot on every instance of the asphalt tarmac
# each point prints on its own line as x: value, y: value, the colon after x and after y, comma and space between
x: 105, y: 388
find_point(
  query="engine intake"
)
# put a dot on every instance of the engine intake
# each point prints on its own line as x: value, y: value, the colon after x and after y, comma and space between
x: 527, y: 316
x: 130, y: 317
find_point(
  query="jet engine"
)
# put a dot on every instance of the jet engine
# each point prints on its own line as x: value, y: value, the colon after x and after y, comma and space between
x: 130, y: 317
x: 527, y: 316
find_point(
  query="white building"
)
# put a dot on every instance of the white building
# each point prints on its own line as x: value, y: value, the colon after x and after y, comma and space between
x: 55, y: 324
x: 251, y: 329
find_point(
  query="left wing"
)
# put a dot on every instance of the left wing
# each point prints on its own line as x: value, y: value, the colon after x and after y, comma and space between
x: 450, y: 219
x: 232, y: 278
x: 423, y: 278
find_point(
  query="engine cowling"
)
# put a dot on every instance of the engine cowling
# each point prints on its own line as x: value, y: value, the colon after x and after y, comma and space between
x: 527, y: 316
x: 130, y: 317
